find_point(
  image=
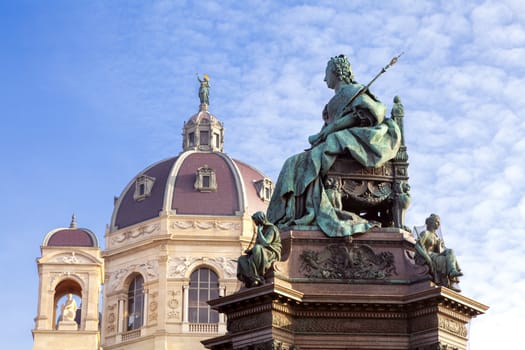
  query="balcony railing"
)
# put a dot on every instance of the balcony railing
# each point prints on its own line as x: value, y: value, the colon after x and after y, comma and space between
x: 204, y: 328
x: 131, y: 334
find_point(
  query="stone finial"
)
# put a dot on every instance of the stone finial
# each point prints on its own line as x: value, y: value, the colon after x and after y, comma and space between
x: 73, y: 221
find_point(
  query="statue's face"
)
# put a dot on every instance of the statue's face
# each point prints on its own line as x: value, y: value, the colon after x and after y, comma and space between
x: 330, y: 78
x: 433, y: 224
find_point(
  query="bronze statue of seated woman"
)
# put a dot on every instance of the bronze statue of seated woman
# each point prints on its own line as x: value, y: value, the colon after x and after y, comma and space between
x: 311, y: 191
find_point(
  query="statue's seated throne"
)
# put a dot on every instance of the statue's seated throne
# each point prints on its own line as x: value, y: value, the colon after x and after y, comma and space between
x: 376, y: 194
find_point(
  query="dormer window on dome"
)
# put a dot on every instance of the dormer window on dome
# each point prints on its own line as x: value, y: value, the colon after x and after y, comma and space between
x: 205, y: 180
x: 143, y: 187
x: 264, y: 188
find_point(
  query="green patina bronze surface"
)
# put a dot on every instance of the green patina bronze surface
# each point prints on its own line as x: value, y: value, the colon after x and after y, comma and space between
x: 252, y: 267
x: 204, y: 89
x: 358, y: 129
x: 441, y: 261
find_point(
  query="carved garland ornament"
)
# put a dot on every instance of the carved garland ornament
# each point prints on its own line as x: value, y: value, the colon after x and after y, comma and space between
x: 358, y: 262
x: 204, y: 225
x: 130, y: 235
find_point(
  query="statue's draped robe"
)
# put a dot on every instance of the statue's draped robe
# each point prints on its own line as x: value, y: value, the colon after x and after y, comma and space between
x: 252, y: 267
x: 299, y: 196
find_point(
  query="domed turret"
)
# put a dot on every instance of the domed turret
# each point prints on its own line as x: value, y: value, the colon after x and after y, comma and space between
x: 70, y: 237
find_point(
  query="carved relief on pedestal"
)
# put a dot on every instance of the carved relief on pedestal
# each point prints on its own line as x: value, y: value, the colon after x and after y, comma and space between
x: 134, y: 235
x: 173, y: 305
x: 453, y: 326
x: 347, y: 262
x: 111, y: 319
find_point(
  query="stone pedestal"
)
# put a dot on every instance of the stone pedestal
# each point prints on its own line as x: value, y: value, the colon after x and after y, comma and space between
x: 67, y: 326
x: 336, y: 293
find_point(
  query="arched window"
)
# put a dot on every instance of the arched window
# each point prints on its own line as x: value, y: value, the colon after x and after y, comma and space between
x: 204, y: 285
x: 136, y: 303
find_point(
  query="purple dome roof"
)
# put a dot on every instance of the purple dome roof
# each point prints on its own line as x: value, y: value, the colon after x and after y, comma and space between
x: 172, y: 189
x: 70, y: 237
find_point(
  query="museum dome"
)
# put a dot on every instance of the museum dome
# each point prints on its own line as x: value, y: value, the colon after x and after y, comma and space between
x: 70, y: 237
x: 202, y: 180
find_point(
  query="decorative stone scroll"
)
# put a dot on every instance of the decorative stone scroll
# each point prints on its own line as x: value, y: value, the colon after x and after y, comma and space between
x: 357, y: 262
x: 149, y: 269
x: 70, y: 258
x: 178, y: 266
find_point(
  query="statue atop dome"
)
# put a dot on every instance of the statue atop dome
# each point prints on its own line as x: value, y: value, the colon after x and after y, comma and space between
x: 204, y: 89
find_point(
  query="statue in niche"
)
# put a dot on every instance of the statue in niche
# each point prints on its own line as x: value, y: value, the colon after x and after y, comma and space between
x: 69, y: 309
x: 355, y: 126
x: 441, y: 261
x: 204, y: 89
x: 252, y: 267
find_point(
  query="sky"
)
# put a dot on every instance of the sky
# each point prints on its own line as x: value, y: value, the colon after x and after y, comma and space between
x: 93, y: 92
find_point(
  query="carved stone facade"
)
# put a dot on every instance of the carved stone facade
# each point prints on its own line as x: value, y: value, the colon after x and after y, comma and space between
x: 166, y: 262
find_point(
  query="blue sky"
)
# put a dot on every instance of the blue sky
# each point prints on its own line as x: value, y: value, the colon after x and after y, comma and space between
x: 94, y: 91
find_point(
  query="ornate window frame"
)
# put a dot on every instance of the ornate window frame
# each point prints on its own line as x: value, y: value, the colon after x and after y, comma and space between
x: 143, y: 186
x: 264, y: 188
x: 205, y: 180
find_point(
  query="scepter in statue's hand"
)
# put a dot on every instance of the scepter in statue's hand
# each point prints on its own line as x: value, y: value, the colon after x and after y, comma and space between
x: 364, y: 89
x: 320, y: 137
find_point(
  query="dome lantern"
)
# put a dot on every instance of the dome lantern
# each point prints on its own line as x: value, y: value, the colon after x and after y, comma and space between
x: 203, y: 131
